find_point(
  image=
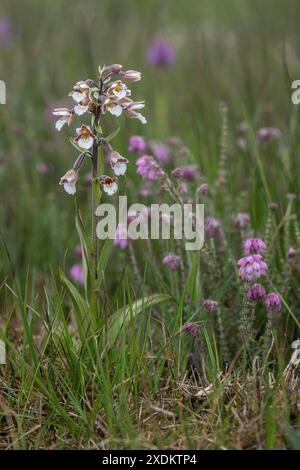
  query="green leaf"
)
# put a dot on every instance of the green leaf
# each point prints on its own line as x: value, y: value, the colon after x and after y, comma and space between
x: 112, y: 135
x: 121, y: 317
x: 72, y: 141
x: 100, y: 69
x: 83, y: 315
x: 103, y: 259
x: 98, y: 128
x: 192, y: 286
x: 85, y: 254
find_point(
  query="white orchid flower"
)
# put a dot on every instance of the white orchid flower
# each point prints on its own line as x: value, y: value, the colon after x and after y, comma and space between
x: 66, y: 117
x: 85, y: 137
x: 69, y: 180
x: 109, y: 184
x: 118, y: 163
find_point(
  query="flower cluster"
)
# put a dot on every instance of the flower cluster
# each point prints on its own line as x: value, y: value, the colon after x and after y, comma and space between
x: 267, y: 133
x: 255, y: 293
x: 210, y: 305
x: 190, y: 328
x: 273, y: 302
x: 161, y: 53
x: 160, y: 151
x: 137, y: 143
x: 172, y: 261
x: 254, y: 246
x: 152, y: 159
x: 212, y: 227
x: 97, y: 99
x: 121, y: 236
x: 77, y: 273
x: 148, y: 168
x: 189, y: 172
x: 241, y: 220
x: 251, y: 267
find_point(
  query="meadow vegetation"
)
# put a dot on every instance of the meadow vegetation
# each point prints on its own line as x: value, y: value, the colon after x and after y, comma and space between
x: 179, y: 349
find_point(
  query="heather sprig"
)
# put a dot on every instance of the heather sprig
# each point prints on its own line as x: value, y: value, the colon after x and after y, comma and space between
x: 251, y: 268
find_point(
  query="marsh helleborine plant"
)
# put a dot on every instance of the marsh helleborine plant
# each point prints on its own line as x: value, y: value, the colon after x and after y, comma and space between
x: 109, y: 95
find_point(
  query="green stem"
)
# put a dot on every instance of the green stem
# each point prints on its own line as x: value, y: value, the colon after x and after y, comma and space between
x: 96, y: 199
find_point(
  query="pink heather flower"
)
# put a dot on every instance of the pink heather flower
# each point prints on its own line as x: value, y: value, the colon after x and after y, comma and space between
x: 176, y: 173
x: 210, y: 305
x: 121, y: 232
x: 161, y: 53
x: 273, y: 302
x: 172, y: 261
x: 190, y: 328
x: 161, y: 152
x: 267, y: 133
x: 292, y: 253
x: 211, y: 227
x: 241, y: 220
x: 137, y: 144
x: 203, y: 189
x: 252, y: 267
x: 6, y: 30
x: 255, y: 293
x: 43, y: 168
x: 148, y: 168
x: 173, y: 140
x: 189, y: 172
x: 88, y: 179
x: 77, y: 273
x: 142, y: 214
x: 254, y: 246
x: 183, y: 188
x: 78, y: 250
x: 145, y: 191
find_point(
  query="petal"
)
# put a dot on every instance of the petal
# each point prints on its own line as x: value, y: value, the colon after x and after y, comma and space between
x: 85, y: 143
x: 70, y: 188
x: 138, y: 105
x: 61, y: 112
x: 110, y: 188
x: 60, y: 123
x: 79, y: 109
x: 116, y: 109
x: 77, y: 95
x: 120, y: 94
x: 120, y: 169
x: 141, y: 118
